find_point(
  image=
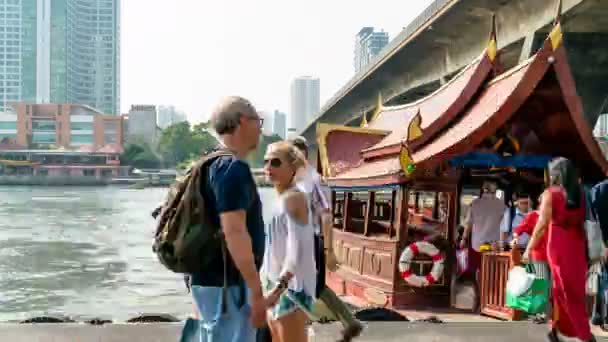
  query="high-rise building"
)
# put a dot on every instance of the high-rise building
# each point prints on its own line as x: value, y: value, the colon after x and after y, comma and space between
x: 169, y: 115
x: 60, y: 51
x: 279, y: 124
x: 305, y: 104
x: 367, y: 45
x: 268, y: 121
x: 141, y: 125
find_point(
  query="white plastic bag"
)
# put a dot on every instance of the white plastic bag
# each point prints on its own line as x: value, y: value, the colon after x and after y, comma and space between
x: 593, y: 279
x: 595, y: 242
x: 519, y: 281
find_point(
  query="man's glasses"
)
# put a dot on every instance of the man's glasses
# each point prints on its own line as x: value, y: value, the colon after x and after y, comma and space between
x: 260, y: 120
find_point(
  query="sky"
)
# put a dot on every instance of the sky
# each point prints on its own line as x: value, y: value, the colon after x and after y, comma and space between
x: 191, y: 53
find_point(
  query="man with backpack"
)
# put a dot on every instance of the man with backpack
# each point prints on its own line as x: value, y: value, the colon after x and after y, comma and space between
x: 310, y: 181
x: 227, y: 290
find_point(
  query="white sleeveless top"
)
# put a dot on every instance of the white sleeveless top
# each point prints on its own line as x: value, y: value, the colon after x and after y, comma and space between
x: 290, y: 247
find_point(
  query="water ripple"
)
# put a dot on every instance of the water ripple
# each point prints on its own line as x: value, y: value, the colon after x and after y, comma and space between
x: 83, y: 252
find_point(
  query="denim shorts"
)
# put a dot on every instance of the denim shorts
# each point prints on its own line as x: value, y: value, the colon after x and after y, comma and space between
x: 234, y: 325
x: 289, y: 302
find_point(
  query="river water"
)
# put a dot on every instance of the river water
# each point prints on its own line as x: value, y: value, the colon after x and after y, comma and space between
x: 85, y: 252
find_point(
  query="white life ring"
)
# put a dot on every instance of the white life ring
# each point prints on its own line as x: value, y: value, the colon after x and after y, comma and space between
x: 408, y: 255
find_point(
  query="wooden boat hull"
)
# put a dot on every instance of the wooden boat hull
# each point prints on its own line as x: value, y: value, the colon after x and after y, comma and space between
x: 368, y: 270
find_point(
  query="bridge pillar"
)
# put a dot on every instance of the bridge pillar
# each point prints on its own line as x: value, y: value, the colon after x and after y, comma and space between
x: 588, y: 58
x: 532, y: 43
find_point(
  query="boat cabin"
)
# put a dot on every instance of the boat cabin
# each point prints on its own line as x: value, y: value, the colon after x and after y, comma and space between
x: 402, y: 182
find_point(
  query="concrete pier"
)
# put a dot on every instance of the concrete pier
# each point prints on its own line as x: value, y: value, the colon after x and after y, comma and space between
x: 375, y: 331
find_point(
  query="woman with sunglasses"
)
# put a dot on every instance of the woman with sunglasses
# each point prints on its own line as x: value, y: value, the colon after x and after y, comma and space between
x: 288, y: 272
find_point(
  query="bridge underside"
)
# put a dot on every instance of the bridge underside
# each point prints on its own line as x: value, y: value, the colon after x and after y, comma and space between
x: 448, y: 43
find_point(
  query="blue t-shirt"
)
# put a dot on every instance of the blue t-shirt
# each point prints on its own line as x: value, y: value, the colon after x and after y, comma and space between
x: 599, y: 202
x: 229, y: 186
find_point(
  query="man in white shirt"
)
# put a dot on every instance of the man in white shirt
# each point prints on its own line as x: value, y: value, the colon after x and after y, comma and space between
x: 309, y: 180
x: 482, y: 224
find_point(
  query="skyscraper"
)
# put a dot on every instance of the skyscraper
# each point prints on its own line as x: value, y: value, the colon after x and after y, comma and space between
x: 141, y: 125
x: 60, y: 51
x: 169, y: 115
x: 268, y: 117
x: 279, y: 125
x: 305, y: 105
x: 367, y: 45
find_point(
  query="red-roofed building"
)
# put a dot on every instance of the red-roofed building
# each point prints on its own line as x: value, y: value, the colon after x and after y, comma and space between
x: 73, y: 143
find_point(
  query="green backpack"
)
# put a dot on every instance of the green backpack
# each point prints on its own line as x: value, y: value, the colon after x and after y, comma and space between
x: 185, y: 240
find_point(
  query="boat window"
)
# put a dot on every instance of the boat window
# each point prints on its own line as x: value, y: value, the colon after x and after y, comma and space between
x: 354, y: 211
x: 382, y: 215
x: 358, y: 204
x: 338, y: 208
x: 427, y: 212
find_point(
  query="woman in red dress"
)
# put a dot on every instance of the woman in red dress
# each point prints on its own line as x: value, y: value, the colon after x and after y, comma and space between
x: 562, y: 216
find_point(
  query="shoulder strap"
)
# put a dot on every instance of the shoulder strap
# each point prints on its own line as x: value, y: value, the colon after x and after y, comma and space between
x: 200, y: 168
x: 512, y: 213
x: 214, y: 155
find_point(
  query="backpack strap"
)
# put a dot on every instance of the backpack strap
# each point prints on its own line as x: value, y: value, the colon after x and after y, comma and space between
x: 201, y: 167
x: 512, y: 214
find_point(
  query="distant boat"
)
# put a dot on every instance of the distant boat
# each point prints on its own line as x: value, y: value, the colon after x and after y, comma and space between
x: 148, y: 178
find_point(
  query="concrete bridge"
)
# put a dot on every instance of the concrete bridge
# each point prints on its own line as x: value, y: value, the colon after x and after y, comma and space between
x: 449, y: 34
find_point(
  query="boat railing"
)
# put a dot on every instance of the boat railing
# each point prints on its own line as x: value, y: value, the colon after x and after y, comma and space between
x: 495, y: 268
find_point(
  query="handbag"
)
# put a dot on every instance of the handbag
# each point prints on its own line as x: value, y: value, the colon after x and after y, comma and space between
x: 462, y: 261
x: 534, y: 299
x: 593, y: 232
x: 593, y: 279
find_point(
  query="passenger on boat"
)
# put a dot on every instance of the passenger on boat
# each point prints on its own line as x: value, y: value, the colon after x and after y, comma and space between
x: 562, y: 216
x: 310, y: 181
x: 512, y: 217
x: 482, y: 224
x: 289, y: 260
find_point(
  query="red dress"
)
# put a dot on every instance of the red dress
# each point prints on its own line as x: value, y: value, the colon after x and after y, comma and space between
x: 539, y: 253
x: 566, y: 251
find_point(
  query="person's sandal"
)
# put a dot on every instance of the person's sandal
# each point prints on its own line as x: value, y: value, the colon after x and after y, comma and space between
x: 552, y: 336
x: 539, y: 319
x: 350, y: 332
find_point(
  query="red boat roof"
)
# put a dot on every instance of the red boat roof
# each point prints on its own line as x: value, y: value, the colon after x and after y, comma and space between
x: 536, y: 100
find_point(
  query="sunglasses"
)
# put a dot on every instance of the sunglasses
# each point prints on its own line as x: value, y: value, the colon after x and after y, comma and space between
x: 274, y: 162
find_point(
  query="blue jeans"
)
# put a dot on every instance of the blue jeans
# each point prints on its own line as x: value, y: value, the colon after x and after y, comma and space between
x: 215, y: 326
x: 599, y: 315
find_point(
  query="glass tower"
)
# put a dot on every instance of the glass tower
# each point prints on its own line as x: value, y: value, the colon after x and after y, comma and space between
x: 60, y: 51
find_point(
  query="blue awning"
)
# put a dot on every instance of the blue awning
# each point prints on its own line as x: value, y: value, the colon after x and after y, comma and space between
x: 366, y: 188
x: 484, y: 159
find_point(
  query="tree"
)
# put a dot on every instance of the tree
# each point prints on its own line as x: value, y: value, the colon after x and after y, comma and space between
x: 180, y: 142
x: 256, y: 159
x: 140, y: 155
